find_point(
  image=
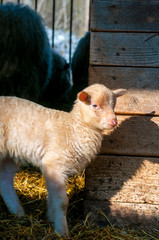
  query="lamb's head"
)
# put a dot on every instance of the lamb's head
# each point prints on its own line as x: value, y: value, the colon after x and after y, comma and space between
x: 96, y: 105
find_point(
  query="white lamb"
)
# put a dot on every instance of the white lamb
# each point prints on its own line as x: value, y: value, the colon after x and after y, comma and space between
x: 59, y: 143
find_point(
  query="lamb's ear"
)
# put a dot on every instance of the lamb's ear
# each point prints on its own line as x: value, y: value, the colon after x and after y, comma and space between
x: 119, y: 92
x: 84, y: 97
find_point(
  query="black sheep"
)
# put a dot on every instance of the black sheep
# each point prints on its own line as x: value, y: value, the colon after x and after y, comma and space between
x: 25, y: 52
x: 56, y: 91
x: 80, y: 64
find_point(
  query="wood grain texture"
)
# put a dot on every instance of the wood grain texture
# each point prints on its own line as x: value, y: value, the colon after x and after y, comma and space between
x: 122, y: 214
x: 122, y: 184
x: 123, y: 179
x: 130, y: 15
x: 123, y: 189
x: 135, y: 135
x: 142, y: 84
x: 124, y: 49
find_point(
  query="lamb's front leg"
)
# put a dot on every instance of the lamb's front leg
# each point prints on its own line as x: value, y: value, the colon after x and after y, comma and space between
x: 57, y: 201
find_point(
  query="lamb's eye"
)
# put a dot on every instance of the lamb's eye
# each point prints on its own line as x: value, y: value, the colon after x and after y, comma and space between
x: 94, y: 106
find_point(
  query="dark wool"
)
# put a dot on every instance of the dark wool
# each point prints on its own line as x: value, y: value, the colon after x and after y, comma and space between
x: 25, y: 53
x: 56, y: 91
x: 80, y: 64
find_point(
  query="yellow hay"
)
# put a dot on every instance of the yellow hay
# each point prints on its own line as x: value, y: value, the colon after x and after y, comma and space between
x: 30, y: 186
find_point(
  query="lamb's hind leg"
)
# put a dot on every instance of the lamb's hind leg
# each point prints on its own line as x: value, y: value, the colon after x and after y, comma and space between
x: 7, y: 171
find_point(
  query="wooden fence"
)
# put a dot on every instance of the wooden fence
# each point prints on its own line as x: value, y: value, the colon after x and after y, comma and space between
x: 123, y: 182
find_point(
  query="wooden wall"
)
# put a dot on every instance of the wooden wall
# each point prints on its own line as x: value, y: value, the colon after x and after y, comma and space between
x: 123, y: 182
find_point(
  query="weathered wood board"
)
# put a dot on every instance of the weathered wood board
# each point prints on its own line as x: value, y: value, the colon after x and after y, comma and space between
x: 122, y: 214
x: 120, y: 178
x: 124, y: 49
x: 129, y: 15
x: 135, y: 135
x: 124, y: 188
x: 142, y: 84
x: 123, y: 182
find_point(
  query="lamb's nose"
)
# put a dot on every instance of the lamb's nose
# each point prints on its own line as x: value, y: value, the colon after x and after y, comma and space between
x: 114, y: 122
